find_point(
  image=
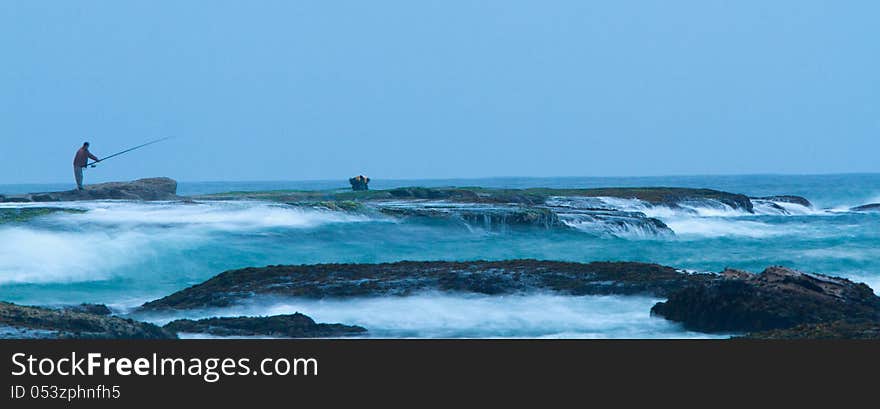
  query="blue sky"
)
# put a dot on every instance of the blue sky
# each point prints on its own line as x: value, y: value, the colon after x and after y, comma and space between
x: 295, y: 90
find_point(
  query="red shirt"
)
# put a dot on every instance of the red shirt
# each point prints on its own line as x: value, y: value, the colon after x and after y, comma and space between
x: 82, y: 157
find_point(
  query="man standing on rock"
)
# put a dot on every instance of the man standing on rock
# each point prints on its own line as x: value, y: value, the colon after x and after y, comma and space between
x: 79, y: 163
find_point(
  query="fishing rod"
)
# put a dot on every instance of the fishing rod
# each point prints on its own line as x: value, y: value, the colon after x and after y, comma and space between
x: 127, y: 150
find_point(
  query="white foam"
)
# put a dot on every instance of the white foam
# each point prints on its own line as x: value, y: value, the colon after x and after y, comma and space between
x: 211, y: 215
x: 712, y: 228
x: 473, y: 316
x: 40, y: 256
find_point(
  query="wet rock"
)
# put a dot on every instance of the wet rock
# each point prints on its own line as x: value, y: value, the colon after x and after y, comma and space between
x: 19, y: 320
x: 96, y: 309
x: 787, y: 199
x: 280, y: 326
x: 666, y: 196
x: 823, y: 330
x: 24, y: 214
x: 488, y: 217
x: 873, y: 207
x: 776, y: 298
x: 613, y: 222
x: 674, y: 197
x: 142, y: 189
x: 410, y: 277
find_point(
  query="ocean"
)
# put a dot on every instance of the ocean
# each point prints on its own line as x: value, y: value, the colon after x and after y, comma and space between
x: 125, y: 253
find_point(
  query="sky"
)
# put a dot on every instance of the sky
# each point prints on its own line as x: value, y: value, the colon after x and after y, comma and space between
x: 301, y: 90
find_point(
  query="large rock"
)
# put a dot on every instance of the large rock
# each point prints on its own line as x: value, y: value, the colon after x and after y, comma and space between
x: 500, y: 216
x: 410, y: 277
x: 664, y: 196
x: 49, y: 323
x: 777, y: 298
x: 280, y: 326
x: 141, y: 189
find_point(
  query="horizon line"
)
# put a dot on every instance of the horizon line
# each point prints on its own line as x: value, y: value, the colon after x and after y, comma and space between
x: 483, y: 177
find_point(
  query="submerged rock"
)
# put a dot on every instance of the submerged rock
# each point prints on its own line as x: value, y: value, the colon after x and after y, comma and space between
x: 823, y: 330
x: 24, y: 214
x: 283, y: 326
x: 776, y: 298
x: 19, y: 321
x: 410, y: 277
x: 141, y: 189
x: 873, y: 207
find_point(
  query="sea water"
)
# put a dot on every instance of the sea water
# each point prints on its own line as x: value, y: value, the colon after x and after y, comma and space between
x: 123, y: 253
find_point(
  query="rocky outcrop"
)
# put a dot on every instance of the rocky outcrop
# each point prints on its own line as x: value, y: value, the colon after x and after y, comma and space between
x: 776, y: 298
x: 873, y: 207
x: 410, y: 277
x: 484, y: 217
x: 586, y: 210
x: 95, y: 309
x: 798, y: 200
x: 500, y: 216
x: 665, y: 196
x: 823, y: 330
x: 733, y: 301
x: 142, y: 189
x: 278, y: 326
x: 674, y: 197
x: 50, y: 323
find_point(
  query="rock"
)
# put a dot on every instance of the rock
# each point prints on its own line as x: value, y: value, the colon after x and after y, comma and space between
x: 410, y: 277
x: 142, y: 189
x: 823, y: 330
x: 23, y: 214
x: 787, y: 199
x: 777, y: 298
x: 612, y: 222
x: 281, y: 326
x: 674, y: 197
x: 488, y: 217
x: 666, y: 196
x: 49, y: 323
x: 873, y: 207
x: 96, y: 309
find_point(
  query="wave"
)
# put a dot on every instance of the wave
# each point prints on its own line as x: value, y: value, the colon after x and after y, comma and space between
x: 628, y: 228
x: 237, y: 215
x: 39, y: 256
x: 432, y: 315
x: 704, y: 218
x: 714, y: 228
x: 111, y: 239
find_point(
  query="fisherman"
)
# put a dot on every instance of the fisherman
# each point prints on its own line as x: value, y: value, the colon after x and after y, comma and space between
x: 80, y: 161
x: 359, y: 182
